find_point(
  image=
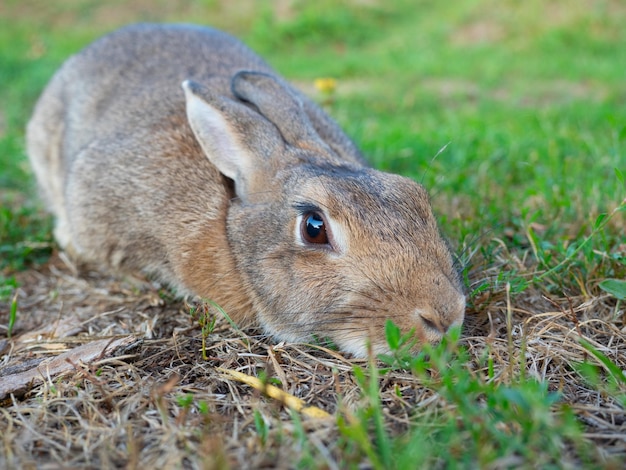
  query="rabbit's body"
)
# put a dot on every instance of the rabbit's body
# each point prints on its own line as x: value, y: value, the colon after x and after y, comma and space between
x: 216, y: 190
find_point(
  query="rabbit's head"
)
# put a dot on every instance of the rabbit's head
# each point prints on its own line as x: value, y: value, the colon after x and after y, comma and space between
x: 327, y: 248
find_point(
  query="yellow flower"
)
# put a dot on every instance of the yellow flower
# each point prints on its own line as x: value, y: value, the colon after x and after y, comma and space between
x: 325, y: 85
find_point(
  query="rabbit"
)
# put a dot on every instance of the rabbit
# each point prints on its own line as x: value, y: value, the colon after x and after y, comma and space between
x: 176, y: 151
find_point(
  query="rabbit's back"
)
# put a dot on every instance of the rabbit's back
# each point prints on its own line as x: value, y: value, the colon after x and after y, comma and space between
x: 114, y: 155
x: 131, y: 78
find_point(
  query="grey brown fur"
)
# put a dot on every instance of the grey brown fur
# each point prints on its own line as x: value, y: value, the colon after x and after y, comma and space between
x: 204, y: 186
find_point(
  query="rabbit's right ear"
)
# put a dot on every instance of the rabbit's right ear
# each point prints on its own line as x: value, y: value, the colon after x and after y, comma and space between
x: 231, y: 135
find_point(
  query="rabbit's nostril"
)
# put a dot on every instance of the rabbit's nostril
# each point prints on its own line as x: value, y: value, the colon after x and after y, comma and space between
x: 431, y: 323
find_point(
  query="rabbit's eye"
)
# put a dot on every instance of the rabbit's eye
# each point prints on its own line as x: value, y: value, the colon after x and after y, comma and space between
x: 314, y: 229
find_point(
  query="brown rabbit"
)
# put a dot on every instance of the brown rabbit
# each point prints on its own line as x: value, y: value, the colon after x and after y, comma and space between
x: 235, y: 187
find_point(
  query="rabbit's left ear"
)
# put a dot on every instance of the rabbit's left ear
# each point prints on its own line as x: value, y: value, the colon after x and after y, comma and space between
x: 280, y: 106
x: 238, y: 141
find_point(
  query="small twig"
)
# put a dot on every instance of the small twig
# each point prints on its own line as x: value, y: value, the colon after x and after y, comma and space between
x: 276, y: 393
x: 509, y: 327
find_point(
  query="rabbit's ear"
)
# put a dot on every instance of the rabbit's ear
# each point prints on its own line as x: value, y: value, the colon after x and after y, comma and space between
x: 278, y: 104
x: 234, y: 138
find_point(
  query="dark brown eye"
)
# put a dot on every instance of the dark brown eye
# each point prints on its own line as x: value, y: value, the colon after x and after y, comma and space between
x: 314, y: 229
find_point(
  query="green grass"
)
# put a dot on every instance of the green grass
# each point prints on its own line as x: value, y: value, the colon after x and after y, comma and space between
x: 487, y: 421
x: 490, y: 421
x: 511, y: 114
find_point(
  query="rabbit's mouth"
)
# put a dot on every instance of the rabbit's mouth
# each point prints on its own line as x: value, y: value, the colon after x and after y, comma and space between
x: 362, y: 346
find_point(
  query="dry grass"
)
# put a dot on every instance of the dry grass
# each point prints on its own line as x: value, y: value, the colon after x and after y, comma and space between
x: 131, y: 407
